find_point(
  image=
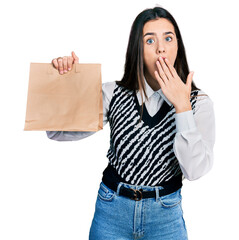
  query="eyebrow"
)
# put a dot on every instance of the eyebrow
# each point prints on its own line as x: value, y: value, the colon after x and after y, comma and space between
x: 152, y: 33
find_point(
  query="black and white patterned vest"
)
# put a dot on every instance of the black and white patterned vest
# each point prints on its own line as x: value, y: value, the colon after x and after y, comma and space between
x: 141, y: 153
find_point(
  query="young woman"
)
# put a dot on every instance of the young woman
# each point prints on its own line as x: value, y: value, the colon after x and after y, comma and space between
x: 162, y: 131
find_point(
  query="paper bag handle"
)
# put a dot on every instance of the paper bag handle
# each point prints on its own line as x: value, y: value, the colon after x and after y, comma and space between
x: 75, y: 67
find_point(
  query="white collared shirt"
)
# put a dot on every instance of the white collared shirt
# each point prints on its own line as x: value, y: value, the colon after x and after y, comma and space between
x: 156, y: 99
x: 195, y: 133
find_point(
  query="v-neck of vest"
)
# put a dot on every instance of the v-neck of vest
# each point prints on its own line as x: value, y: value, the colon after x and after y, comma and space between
x: 152, y: 121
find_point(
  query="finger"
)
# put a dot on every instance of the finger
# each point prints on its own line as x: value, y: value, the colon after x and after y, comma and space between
x: 55, y: 63
x: 161, y: 82
x: 75, y: 58
x: 165, y: 69
x: 65, y: 64
x: 69, y: 62
x: 161, y: 72
x: 189, y: 79
x: 171, y: 68
x: 60, y: 66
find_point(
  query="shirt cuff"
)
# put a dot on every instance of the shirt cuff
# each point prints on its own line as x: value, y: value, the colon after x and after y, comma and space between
x: 184, y: 121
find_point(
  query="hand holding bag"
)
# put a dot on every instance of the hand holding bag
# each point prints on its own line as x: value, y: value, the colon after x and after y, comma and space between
x: 68, y: 102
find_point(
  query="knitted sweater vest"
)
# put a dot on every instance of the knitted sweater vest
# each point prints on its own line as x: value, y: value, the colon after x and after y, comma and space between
x: 141, y: 153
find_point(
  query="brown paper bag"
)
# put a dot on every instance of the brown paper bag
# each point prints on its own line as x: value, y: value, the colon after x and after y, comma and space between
x: 68, y: 102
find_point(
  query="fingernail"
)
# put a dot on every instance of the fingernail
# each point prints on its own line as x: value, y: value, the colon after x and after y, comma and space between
x: 69, y: 69
x: 61, y: 72
x: 65, y: 71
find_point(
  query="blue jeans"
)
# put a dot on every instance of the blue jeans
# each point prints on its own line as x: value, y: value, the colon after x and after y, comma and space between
x: 120, y: 218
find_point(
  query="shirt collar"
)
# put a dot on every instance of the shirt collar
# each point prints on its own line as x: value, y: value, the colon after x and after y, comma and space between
x: 150, y: 92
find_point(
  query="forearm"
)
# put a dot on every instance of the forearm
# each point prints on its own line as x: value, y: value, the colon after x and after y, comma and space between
x: 194, y: 140
x: 67, y: 135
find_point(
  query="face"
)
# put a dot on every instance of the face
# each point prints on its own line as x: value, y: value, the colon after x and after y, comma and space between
x: 159, y: 39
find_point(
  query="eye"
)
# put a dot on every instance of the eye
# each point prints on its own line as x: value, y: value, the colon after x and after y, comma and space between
x: 150, y: 41
x: 170, y: 40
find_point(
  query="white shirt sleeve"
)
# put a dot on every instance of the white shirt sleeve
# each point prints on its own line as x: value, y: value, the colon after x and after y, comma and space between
x: 195, y: 138
x: 107, y: 92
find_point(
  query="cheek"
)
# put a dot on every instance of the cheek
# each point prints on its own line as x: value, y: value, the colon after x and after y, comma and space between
x: 149, y: 58
x: 150, y: 64
x: 173, y: 54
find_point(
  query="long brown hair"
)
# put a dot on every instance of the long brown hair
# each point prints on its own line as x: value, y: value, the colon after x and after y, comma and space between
x: 133, y: 78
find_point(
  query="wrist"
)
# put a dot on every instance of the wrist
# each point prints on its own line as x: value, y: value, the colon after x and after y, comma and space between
x: 183, y: 107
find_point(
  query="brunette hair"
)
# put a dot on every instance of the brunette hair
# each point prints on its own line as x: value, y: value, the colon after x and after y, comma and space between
x: 133, y: 78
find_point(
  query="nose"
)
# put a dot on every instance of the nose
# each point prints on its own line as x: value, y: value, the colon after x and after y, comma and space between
x: 160, y: 47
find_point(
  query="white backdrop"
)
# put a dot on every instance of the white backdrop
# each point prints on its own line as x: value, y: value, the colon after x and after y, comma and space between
x: 48, y: 189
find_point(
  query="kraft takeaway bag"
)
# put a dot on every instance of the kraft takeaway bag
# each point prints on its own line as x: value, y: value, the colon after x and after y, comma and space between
x: 68, y: 102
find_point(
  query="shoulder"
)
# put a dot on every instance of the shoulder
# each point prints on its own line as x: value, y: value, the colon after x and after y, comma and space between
x: 201, y: 95
x: 202, y: 100
x: 108, y: 85
x: 108, y: 89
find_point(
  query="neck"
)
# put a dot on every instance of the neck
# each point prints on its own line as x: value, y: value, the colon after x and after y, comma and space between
x: 153, y: 83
